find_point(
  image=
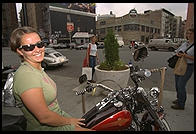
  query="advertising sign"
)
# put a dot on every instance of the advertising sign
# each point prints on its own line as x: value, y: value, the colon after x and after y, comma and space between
x: 70, y: 26
x: 84, y: 7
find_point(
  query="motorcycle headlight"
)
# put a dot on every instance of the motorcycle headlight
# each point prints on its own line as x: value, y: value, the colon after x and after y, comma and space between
x: 154, y: 92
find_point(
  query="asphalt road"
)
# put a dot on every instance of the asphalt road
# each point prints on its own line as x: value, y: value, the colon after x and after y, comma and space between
x: 156, y: 59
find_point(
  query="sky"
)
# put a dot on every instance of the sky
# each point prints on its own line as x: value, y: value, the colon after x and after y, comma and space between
x: 120, y: 9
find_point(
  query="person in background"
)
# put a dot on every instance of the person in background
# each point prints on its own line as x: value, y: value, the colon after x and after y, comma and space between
x: 92, y: 58
x: 35, y: 92
x: 181, y: 81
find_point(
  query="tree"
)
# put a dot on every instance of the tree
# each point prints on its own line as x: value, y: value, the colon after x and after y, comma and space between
x: 112, y: 60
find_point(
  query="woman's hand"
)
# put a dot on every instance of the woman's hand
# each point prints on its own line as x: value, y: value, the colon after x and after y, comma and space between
x: 76, y: 122
x: 180, y: 54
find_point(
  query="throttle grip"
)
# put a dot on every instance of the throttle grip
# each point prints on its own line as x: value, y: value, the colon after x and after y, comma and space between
x: 80, y: 92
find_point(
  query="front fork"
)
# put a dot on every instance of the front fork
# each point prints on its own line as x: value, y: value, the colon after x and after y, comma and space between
x: 147, y: 118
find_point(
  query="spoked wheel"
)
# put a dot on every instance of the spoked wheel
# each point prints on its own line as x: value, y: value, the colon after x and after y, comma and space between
x: 166, y: 126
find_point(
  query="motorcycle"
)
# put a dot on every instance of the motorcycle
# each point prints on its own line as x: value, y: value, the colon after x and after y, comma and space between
x: 7, y: 83
x: 10, y: 122
x: 127, y: 109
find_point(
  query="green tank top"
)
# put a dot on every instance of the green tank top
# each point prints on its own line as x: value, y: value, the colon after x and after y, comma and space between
x: 27, y: 77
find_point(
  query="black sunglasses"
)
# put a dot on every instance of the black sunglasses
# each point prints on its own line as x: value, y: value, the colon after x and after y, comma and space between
x: 31, y: 47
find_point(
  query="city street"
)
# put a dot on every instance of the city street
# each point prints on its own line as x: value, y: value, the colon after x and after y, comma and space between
x: 66, y: 78
x: 73, y: 69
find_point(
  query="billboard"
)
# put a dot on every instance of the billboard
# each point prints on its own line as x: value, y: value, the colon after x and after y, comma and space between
x: 70, y: 27
x: 85, y: 7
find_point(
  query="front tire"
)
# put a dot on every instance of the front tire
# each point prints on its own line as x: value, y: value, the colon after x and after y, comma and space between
x: 166, y: 126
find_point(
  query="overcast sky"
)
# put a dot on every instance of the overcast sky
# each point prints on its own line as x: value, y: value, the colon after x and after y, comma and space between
x: 120, y: 9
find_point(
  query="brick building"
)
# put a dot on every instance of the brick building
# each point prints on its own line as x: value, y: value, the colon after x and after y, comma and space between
x: 139, y: 27
x: 190, y: 17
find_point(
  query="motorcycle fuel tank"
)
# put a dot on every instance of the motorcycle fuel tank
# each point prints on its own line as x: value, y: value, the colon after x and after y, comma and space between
x: 119, y: 121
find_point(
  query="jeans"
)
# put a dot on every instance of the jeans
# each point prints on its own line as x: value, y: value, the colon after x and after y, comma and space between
x: 181, y: 82
x: 92, y: 63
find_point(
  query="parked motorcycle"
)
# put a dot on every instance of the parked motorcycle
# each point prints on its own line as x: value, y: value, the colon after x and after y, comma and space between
x: 127, y: 109
x: 7, y: 83
x: 10, y: 122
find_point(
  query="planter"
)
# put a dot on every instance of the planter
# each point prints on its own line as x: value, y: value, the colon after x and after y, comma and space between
x: 120, y: 77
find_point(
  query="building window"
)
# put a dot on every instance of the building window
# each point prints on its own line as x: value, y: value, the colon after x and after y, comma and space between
x: 142, y: 38
x: 147, y: 29
x: 102, y: 23
x: 151, y: 30
x: 158, y: 31
x: 110, y: 28
x: 117, y: 28
x: 143, y: 28
x: 152, y: 22
x: 102, y: 31
x: 136, y: 27
x: 131, y: 27
x: 126, y: 27
x: 155, y: 30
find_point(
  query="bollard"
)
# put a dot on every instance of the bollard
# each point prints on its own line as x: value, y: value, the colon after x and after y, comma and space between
x: 161, y: 86
x: 83, y: 103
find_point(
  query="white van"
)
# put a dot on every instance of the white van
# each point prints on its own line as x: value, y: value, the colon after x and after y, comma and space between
x: 120, y: 40
x: 155, y: 44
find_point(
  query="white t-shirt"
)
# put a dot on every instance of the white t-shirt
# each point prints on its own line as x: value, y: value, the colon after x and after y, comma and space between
x: 190, y: 52
x: 93, y: 49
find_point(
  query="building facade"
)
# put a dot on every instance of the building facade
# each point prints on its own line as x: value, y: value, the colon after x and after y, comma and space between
x: 139, y: 27
x: 190, y: 17
x: 37, y: 16
x: 81, y: 17
x: 51, y: 19
x: 9, y: 21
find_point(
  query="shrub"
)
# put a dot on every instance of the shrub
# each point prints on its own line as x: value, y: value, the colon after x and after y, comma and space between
x: 111, y: 52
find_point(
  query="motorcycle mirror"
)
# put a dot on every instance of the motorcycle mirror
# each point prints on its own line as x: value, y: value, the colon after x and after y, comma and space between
x: 140, y: 53
x: 83, y: 78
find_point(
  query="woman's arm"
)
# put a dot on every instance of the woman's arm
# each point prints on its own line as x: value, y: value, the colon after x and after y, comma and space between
x: 189, y: 57
x: 35, y: 102
x: 185, y: 55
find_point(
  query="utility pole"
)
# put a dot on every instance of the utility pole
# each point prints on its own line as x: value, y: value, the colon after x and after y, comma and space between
x: 24, y: 9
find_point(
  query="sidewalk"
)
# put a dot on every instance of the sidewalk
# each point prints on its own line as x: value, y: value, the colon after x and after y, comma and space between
x: 179, y: 120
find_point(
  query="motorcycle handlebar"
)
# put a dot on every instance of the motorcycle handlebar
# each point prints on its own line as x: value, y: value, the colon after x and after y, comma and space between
x: 141, y: 73
x: 91, y: 86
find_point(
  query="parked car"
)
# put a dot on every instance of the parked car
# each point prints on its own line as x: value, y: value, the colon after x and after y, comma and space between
x: 139, y: 45
x: 46, y: 41
x: 100, y: 45
x: 62, y: 45
x: 55, y: 46
x: 53, y: 58
x: 167, y: 44
x: 80, y: 47
x: 72, y: 45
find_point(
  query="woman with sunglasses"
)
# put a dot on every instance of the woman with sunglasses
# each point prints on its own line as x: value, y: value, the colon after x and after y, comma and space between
x: 34, y: 90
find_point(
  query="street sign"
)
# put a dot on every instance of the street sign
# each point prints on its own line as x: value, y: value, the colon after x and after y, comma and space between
x: 70, y: 26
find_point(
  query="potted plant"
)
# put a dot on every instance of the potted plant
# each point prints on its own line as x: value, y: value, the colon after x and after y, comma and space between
x: 112, y: 68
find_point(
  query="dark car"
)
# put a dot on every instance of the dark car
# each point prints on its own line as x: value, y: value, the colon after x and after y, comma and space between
x: 46, y: 41
x: 100, y: 45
